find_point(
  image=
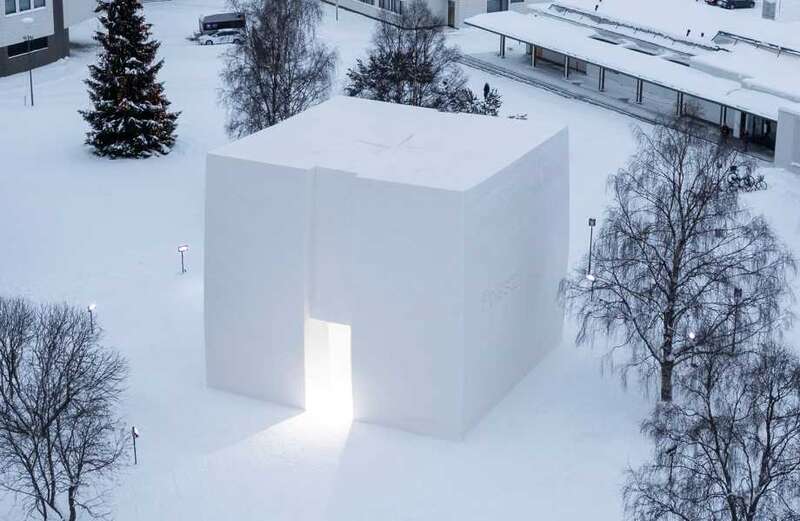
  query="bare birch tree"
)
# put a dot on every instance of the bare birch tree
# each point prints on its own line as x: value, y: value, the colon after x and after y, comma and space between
x: 679, y: 266
x: 280, y: 69
x: 728, y: 449
x: 59, y: 390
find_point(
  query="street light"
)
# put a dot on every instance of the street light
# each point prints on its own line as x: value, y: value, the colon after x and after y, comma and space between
x: 737, y: 296
x: 592, y: 222
x: 134, y: 436
x: 91, y: 307
x: 29, y: 38
x: 183, y: 248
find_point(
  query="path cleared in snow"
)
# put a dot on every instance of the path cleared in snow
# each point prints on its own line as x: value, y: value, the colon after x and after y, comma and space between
x: 83, y: 229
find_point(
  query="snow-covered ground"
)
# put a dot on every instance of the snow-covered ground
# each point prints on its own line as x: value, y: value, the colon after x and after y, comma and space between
x: 78, y: 228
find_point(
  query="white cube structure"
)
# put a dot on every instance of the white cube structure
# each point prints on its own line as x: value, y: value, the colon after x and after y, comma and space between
x: 438, y: 238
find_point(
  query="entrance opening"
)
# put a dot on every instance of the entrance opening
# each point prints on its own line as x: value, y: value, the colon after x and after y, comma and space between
x: 329, y: 383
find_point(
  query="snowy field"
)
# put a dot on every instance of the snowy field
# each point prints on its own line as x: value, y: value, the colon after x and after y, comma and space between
x: 77, y: 228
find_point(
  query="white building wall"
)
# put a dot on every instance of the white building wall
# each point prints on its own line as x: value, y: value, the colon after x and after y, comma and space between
x: 14, y: 30
x: 407, y: 335
x: 371, y: 10
x: 787, y: 146
x: 255, y: 279
x: 517, y: 234
x: 331, y: 246
x: 467, y: 8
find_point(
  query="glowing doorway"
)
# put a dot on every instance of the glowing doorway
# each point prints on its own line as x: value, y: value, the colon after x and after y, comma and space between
x: 329, y: 383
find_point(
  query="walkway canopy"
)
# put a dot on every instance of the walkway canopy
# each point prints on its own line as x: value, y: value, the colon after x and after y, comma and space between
x: 587, y: 44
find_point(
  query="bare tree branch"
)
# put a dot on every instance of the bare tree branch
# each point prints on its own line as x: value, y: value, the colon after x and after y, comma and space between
x: 59, y: 391
x: 679, y: 267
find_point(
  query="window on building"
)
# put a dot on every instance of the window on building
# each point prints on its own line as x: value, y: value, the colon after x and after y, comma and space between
x: 18, y: 6
x: 21, y: 48
x: 391, y: 5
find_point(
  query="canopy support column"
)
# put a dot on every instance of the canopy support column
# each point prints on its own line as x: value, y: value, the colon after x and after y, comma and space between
x: 533, y: 57
x: 502, y: 46
x: 566, y: 67
x: 639, y: 91
x: 601, y: 79
x: 679, y: 104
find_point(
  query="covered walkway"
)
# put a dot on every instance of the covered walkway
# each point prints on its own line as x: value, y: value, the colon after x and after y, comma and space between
x: 652, y: 78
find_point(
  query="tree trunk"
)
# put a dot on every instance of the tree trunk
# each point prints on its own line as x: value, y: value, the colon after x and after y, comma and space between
x: 73, y: 511
x: 666, y: 380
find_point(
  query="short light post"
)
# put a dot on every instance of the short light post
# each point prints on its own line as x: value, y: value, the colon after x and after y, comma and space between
x: 90, y: 308
x: 29, y: 39
x: 134, y: 436
x: 182, y: 249
x: 592, y: 223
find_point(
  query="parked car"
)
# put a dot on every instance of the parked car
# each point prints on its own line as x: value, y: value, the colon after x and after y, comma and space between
x: 736, y: 4
x: 223, y: 36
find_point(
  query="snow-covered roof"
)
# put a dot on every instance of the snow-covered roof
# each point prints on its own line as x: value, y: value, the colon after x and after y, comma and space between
x: 578, y: 41
x: 395, y: 143
x: 756, y: 68
x: 675, y: 17
x: 738, y: 44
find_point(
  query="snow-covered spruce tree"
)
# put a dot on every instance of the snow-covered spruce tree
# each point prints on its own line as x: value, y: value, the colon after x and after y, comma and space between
x: 280, y: 70
x: 679, y: 267
x: 130, y: 115
x: 410, y: 63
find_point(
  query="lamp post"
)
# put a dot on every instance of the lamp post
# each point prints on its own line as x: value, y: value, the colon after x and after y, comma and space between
x: 90, y: 308
x: 592, y: 223
x: 737, y: 296
x: 29, y: 38
x: 134, y: 435
x: 183, y: 248
x: 592, y: 279
x: 693, y: 342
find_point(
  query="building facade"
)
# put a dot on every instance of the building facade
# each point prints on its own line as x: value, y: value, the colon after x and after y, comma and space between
x: 733, y: 74
x: 36, y: 32
x: 450, y: 12
x: 437, y: 242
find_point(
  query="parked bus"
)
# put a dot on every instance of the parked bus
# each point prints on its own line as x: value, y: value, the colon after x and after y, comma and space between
x: 215, y: 22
